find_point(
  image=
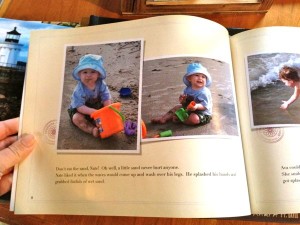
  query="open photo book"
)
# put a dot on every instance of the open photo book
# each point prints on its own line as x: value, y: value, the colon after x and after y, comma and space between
x: 149, y: 149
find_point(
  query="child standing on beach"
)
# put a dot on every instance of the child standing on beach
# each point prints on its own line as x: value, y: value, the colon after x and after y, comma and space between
x: 90, y: 94
x: 197, y: 80
x: 289, y: 76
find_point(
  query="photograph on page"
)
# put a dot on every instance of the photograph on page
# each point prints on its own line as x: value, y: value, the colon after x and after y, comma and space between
x: 100, y: 99
x: 188, y: 97
x: 274, y: 88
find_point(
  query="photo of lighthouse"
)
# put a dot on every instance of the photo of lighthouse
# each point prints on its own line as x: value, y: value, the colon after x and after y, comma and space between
x: 14, y: 42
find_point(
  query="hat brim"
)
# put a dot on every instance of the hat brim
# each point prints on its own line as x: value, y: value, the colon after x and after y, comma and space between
x: 188, y: 83
x: 88, y: 66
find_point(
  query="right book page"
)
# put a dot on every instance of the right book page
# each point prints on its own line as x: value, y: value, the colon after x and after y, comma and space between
x: 269, y: 132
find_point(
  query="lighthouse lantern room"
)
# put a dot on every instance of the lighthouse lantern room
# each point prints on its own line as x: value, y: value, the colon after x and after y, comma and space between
x: 10, y: 49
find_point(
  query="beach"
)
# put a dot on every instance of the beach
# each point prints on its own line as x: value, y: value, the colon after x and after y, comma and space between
x: 122, y: 61
x: 266, y: 102
x: 267, y: 92
x: 162, y: 85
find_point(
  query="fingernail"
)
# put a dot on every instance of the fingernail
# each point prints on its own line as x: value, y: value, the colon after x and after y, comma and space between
x: 28, y: 140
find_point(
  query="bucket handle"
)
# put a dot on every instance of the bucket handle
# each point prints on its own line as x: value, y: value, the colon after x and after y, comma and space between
x: 118, y: 112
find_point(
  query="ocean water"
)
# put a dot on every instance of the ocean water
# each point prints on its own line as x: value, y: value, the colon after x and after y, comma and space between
x: 267, y: 92
x: 263, y: 69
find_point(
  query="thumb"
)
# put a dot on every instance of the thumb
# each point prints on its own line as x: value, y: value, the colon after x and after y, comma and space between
x: 16, y: 152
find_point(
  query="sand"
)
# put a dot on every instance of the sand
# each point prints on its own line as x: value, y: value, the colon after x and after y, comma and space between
x: 122, y: 64
x: 266, y: 103
x: 162, y: 85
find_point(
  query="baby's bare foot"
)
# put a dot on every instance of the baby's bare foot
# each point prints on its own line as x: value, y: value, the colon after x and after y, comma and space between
x: 163, y: 119
x: 175, y: 119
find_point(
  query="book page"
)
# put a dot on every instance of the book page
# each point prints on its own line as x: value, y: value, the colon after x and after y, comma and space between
x: 269, y: 131
x: 190, y: 171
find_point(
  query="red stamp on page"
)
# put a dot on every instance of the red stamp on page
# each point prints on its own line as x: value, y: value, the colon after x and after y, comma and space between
x: 49, y: 132
x: 271, y: 134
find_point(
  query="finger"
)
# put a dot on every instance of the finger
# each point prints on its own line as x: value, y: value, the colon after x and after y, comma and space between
x: 16, y: 152
x: 5, y: 183
x: 7, y: 142
x: 8, y: 127
x: 7, y: 171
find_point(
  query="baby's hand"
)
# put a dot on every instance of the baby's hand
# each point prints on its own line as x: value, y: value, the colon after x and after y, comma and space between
x: 194, y: 107
x: 284, y: 105
x: 93, y: 110
x: 182, y: 98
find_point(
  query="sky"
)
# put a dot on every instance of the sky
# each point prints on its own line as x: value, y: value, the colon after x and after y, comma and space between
x: 24, y: 27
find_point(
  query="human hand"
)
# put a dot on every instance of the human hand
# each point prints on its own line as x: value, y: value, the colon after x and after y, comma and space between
x: 196, y: 106
x: 107, y: 102
x: 182, y: 98
x: 12, y: 151
x: 284, y: 105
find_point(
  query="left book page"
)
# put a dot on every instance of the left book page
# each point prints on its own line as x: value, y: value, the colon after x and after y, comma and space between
x: 71, y: 172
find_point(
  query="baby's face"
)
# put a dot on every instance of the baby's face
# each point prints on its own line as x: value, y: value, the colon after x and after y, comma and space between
x: 88, y: 76
x: 198, y: 80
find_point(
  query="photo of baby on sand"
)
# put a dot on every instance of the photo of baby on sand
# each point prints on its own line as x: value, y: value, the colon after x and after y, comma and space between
x: 100, y: 98
x: 274, y: 87
x: 184, y: 97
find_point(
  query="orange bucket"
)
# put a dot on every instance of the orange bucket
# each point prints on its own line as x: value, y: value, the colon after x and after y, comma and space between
x: 144, y: 129
x: 109, y: 120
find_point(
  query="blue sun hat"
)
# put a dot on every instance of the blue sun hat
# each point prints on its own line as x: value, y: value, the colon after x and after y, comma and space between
x: 90, y: 61
x: 196, y: 68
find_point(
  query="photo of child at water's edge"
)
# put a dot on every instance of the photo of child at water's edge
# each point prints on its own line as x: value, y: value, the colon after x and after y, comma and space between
x: 197, y: 80
x: 163, y: 83
x: 290, y: 77
x: 270, y: 97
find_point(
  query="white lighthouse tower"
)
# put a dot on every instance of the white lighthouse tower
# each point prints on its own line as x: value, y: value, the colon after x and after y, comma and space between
x: 10, y: 49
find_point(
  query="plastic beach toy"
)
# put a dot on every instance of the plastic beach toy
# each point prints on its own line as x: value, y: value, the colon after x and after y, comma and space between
x: 191, y: 105
x: 125, y: 92
x: 144, y: 129
x: 182, y: 113
x: 166, y: 133
x: 130, y: 128
x: 109, y: 120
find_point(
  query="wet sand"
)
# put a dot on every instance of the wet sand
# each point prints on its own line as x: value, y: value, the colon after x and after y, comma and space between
x: 122, y: 64
x: 266, y: 103
x: 162, y: 85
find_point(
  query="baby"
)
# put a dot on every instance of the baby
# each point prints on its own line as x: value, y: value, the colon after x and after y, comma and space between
x: 90, y: 94
x: 289, y: 76
x: 197, y: 80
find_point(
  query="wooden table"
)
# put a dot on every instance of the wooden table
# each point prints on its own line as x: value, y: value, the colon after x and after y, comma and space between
x: 282, y: 13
